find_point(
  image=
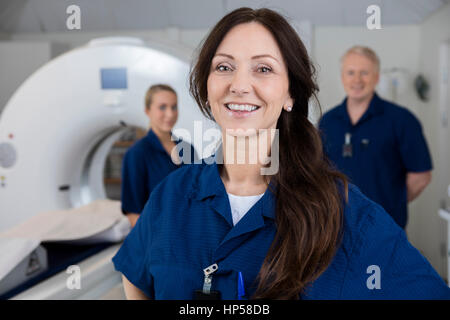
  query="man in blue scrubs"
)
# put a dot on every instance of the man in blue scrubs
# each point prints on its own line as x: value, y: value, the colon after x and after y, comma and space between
x: 377, y: 144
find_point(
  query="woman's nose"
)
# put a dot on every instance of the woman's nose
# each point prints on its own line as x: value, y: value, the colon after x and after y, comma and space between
x: 240, y: 83
x: 170, y: 113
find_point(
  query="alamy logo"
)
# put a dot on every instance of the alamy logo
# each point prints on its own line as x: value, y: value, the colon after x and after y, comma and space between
x: 374, y: 20
x: 240, y: 146
x: 74, y: 280
x: 374, y: 281
x: 73, y: 21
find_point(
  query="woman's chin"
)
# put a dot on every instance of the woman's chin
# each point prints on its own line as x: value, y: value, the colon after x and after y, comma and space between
x: 242, y: 131
x: 163, y: 129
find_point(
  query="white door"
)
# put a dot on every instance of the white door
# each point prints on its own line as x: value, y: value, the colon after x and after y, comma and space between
x: 444, y: 139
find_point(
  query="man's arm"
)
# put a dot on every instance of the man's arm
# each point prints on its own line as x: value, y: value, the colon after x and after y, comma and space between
x: 132, y: 292
x: 132, y: 217
x: 416, y: 183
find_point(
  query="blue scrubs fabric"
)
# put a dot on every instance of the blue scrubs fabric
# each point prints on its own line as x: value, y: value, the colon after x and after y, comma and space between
x: 145, y: 165
x: 187, y: 226
x: 387, y: 143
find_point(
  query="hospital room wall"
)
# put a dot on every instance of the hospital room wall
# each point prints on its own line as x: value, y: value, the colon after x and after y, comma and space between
x: 17, y: 63
x: 398, y: 46
x: 20, y: 58
x: 182, y: 42
x: 427, y: 226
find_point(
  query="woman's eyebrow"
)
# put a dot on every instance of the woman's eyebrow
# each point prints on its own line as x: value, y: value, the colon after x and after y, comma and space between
x: 254, y: 57
x: 265, y: 56
x: 224, y: 55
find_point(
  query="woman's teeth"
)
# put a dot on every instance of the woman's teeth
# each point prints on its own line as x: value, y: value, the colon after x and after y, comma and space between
x: 241, y: 107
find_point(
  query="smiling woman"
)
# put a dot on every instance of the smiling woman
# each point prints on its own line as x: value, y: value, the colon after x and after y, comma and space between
x: 248, y: 81
x: 227, y: 231
x: 254, y: 57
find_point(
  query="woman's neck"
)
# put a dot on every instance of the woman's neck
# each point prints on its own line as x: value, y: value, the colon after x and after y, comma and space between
x: 241, y: 173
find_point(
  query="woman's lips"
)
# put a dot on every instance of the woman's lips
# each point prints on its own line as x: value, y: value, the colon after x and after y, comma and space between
x: 248, y: 109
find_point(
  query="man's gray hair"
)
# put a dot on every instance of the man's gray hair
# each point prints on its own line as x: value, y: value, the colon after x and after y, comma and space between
x: 366, y: 52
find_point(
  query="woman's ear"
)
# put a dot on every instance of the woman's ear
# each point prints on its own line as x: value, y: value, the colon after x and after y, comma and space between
x: 289, y: 104
x: 147, y: 112
x: 291, y: 101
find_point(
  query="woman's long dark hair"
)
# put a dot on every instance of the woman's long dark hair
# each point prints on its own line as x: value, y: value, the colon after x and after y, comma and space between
x: 309, y: 194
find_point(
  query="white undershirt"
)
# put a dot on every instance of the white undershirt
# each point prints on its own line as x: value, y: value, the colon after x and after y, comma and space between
x: 240, y: 205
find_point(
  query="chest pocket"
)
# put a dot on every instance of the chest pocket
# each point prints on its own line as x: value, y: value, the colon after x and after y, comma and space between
x: 178, y: 282
x: 379, y: 147
x: 175, y: 281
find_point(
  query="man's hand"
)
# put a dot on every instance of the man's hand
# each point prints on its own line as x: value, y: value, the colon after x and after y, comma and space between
x: 132, y: 217
x: 416, y: 183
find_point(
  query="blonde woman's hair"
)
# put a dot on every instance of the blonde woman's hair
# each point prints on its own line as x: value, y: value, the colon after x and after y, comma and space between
x: 366, y: 52
x: 154, y: 89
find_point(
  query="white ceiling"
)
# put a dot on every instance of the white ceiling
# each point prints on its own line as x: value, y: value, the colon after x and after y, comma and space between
x: 36, y: 16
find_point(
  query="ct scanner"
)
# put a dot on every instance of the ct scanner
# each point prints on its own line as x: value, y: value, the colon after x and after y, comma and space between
x: 58, y: 127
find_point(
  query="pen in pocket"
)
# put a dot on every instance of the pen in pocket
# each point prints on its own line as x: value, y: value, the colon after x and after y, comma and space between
x: 241, y: 288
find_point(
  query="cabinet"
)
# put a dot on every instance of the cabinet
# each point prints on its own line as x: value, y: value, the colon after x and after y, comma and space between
x: 113, y: 166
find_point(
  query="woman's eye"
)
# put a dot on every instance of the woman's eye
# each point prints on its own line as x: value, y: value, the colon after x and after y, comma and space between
x: 162, y: 107
x: 222, y: 68
x: 264, y: 69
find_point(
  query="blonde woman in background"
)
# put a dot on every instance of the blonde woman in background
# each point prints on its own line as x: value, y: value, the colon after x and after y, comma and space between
x: 149, y: 160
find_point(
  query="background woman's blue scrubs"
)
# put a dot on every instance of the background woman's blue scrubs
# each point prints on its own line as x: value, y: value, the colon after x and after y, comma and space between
x: 187, y: 226
x: 145, y: 165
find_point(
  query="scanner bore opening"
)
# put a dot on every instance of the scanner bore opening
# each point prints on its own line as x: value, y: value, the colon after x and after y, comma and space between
x: 101, y: 172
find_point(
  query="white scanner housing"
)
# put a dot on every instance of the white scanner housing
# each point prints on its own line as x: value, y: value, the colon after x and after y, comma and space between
x: 58, y: 127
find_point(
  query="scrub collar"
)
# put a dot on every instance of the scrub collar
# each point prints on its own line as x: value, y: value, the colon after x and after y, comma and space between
x: 153, y: 139
x: 209, y: 184
x: 375, y: 108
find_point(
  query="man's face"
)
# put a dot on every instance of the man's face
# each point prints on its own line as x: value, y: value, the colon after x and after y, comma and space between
x: 359, y: 76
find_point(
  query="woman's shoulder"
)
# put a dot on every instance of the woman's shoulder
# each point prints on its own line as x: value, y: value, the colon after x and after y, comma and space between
x: 374, y: 245
x: 361, y: 213
x: 365, y: 225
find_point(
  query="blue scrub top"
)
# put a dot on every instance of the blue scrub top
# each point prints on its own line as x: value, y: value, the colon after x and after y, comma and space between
x: 387, y: 143
x: 187, y: 226
x: 145, y: 165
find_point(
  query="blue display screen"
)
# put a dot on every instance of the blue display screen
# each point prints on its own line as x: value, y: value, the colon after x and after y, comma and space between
x: 114, y: 78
